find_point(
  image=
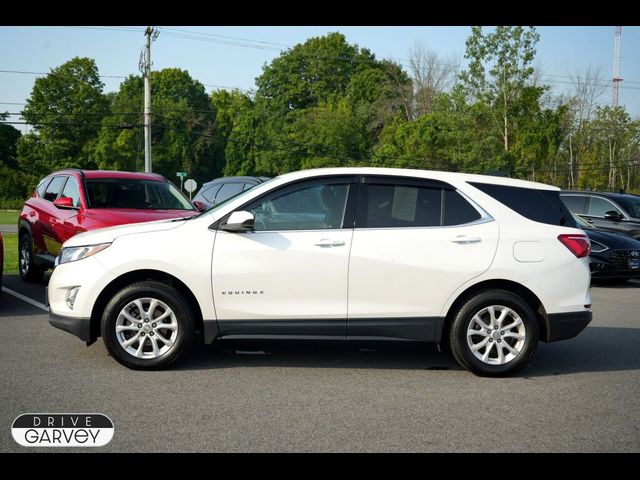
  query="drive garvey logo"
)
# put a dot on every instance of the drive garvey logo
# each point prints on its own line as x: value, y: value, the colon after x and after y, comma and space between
x: 62, y: 430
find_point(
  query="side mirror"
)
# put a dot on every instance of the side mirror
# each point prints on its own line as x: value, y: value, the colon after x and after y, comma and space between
x: 613, y: 215
x: 200, y: 206
x: 65, y: 203
x: 239, y: 221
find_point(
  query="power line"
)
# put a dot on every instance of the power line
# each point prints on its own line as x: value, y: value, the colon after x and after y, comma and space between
x: 64, y: 124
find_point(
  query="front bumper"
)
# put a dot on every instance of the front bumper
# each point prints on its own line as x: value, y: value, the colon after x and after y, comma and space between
x: 619, y: 263
x: 561, y: 326
x: 78, y: 326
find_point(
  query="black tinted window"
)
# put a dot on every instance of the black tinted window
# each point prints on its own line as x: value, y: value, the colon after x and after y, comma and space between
x: 458, y: 211
x: 400, y: 206
x: 51, y: 193
x: 542, y: 206
x: 228, y: 190
x: 575, y: 203
x: 72, y: 191
x: 631, y: 205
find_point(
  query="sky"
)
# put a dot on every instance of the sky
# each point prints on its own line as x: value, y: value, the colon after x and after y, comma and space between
x: 232, y: 57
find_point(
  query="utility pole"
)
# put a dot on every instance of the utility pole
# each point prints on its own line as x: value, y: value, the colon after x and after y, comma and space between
x: 145, y: 67
x: 616, y: 67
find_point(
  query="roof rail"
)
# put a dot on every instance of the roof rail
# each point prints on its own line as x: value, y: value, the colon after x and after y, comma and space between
x: 81, y: 172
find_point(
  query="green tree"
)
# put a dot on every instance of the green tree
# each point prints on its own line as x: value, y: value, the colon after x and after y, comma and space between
x: 9, y: 136
x: 13, y: 183
x: 499, y: 69
x: 66, y: 108
x: 228, y: 107
x: 182, y: 127
x: 323, y: 102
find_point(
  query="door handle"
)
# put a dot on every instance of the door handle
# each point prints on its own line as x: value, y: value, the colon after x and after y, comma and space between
x: 464, y: 239
x: 326, y: 242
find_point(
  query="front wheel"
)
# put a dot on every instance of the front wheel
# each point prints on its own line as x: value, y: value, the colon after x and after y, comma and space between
x: 147, y: 326
x: 494, y: 334
x: 29, y: 271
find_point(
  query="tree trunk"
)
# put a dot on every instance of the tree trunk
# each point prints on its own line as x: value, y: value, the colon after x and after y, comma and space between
x: 571, y: 180
x: 612, y: 168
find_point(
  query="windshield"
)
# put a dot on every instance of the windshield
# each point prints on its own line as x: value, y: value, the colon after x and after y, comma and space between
x: 236, y: 196
x: 581, y: 222
x: 631, y: 205
x: 138, y: 194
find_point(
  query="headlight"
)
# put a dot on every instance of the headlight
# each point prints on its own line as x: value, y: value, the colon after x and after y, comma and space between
x: 597, y: 247
x: 71, y: 254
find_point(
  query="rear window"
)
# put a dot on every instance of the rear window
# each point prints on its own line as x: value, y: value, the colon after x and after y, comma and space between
x: 542, y: 206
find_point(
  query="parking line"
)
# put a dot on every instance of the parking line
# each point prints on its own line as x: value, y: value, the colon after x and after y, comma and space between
x: 26, y: 299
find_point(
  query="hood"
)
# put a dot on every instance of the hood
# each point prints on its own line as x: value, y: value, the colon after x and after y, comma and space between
x: 613, y: 240
x: 119, y: 216
x: 109, y: 234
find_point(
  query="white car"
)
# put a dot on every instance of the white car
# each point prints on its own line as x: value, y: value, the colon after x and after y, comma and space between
x: 487, y: 265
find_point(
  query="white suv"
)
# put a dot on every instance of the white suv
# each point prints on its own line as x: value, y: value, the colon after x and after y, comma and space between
x: 486, y: 265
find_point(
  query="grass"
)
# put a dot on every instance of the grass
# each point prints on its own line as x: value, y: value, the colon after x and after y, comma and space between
x: 10, y: 253
x: 9, y: 217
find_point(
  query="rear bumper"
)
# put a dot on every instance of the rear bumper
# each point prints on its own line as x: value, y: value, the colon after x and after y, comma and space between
x: 78, y: 326
x: 561, y: 326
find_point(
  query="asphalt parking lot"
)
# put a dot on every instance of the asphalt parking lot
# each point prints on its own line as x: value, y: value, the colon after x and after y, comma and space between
x: 577, y: 395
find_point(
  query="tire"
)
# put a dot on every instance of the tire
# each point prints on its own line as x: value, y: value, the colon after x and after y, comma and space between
x: 517, y: 343
x: 29, y: 271
x: 616, y: 281
x: 175, y: 340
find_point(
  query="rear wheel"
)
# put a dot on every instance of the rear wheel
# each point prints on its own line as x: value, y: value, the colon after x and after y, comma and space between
x: 29, y: 271
x: 494, y: 334
x: 147, y: 326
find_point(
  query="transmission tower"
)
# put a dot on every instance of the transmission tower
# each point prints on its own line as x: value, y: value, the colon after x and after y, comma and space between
x: 616, y: 67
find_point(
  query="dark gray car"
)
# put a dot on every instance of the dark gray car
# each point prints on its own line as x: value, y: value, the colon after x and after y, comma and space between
x: 220, y: 189
x: 614, y: 212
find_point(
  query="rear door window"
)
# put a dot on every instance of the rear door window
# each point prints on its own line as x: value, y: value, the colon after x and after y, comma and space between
x: 387, y: 206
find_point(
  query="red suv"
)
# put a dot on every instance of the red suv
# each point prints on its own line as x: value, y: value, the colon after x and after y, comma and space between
x: 73, y: 201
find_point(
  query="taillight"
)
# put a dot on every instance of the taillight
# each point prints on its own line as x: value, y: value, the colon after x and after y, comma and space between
x: 578, y: 244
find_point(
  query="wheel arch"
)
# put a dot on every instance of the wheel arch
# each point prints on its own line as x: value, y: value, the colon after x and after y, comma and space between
x: 496, y: 284
x: 23, y: 228
x: 140, y: 276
